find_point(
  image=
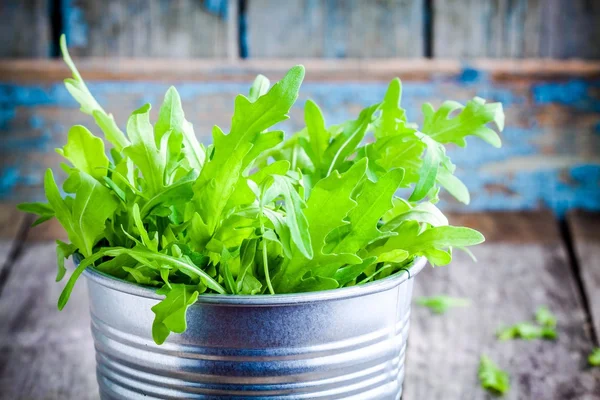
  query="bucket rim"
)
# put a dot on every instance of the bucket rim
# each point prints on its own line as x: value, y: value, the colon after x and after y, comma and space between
x: 265, y: 300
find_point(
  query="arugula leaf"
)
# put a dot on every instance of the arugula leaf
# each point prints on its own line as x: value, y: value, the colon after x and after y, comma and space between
x: 441, y: 304
x: 171, y: 118
x: 218, y: 178
x: 89, y: 105
x: 594, y: 358
x: 170, y: 312
x: 493, y: 378
x: 84, y: 219
x: 318, y: 134
x: 86, y: 152
x: 44, y: 211
x: 148, y: 156
x: 63, y: 251
x: 527, y: 331
x: 544, y: 317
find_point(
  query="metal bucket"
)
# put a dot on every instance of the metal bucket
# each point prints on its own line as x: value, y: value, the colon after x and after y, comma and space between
x: 339, y: 344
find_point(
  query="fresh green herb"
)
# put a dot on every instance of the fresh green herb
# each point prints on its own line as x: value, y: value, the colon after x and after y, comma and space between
x: 544, y: 317
x: 441, y: 304
x: 493, y: 378
x: 527, y: 331
x: 594, y: 358
x: 255, y: 213
x: 545, y: 328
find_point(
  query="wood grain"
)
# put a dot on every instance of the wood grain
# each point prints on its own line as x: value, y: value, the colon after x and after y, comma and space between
x: 521, y: 28
x: 335, y: 29
x: 512, y: 278
x: 317, y: 70
x: 44, y: 353
x: 25, y: 28
x: 585, y: 233
x: 11, y: 223
x: 139, y: 28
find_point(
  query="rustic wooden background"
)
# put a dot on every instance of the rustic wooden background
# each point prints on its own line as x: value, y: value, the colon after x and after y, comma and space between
x: 540, y: 58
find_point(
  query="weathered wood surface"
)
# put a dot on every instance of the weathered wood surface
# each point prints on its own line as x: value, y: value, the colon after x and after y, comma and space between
x: 10, y: 228
x: 523, y: 265
x: 584, y: 228
x: 46, y: 354
x: 25, y: 29
x: 140, y: 28
x: 521, y: 28
x: 335, y: 29
x: 550, y: 154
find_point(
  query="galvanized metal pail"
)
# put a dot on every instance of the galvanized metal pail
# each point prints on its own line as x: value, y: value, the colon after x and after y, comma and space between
x: 340, y: 344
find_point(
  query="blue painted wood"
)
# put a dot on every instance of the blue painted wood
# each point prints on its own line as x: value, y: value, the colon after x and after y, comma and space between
x: 550, y: 155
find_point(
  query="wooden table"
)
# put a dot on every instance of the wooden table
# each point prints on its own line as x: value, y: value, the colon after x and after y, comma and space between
x: 529, y: 259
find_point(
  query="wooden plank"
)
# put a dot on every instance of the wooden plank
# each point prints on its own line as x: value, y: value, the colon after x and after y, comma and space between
x: 11, y: 223
x: 317, y: 70
x: 522, y: 268
x: 521, y: 28
x: 44, y: 353
x: 174, y: 29
x: 584, y: 227
x: 335, y: 29
x: 25, y: 29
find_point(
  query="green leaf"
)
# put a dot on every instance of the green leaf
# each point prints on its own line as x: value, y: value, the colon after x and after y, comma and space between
x: 472, y: 119
x: 63, y: 251
x: 594, y: 358
x: 374, y: 200
x: 220, y: 175
x: 317, y: 132
x: 44, y: 210
x: 259, y: 87
x: 84, y: 220
x: 344, y: 144
x: 149, y: 157
x: 493, y: 378
x: 391, y: 112
x: 410, y: 238
x: 76, y: 86
x: 169, y: 314
x: 351, y: 272
x: 316, y: 283
x: 441, y: 304
x: 86, y: 152
x: 172, y: 118
x: 527, y: 331
x: 295, y: 218
x: 329, y: 203
x: 544, y: 317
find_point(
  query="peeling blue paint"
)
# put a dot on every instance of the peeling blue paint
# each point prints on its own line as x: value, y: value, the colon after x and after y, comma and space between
x: 217, y: 7
x: 339, y: 101
x: 470, y: 75
x: 576, y: 93
x: 9, y: 177
x: 74, y: 23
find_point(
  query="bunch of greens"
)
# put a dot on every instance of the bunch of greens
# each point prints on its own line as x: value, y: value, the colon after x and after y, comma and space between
x: 255, y: 213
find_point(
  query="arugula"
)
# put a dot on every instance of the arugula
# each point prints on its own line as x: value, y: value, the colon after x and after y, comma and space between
x: 527, y: 331
x: 493, y: 378
x: 594, y: 358
x: 254, y: 212
x: 545, y: 318
x: 441, y: 304
x: 544, y: 329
